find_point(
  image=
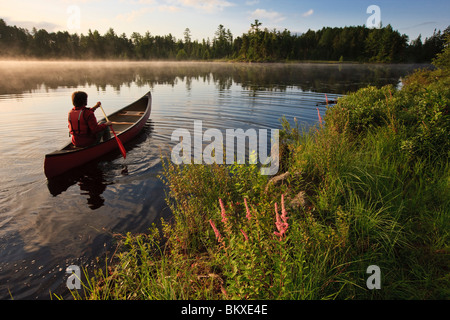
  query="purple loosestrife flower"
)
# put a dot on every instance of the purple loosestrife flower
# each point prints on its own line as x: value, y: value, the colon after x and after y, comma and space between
x: 222, y: 208
x: 281, y: 222
x: 248, y: 215
x: 245, y: 235
x: 320, y: 118
x: 218, y: 236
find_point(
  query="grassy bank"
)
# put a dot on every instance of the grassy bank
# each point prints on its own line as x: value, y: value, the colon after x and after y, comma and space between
x: 368, y: 186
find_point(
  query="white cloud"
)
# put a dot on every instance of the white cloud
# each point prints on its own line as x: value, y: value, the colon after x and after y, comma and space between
x: 175, y: 6
x: 29, y: 25
x: 138, y: 1
x: 133, y: 15
x: 308, y: 13
x: 79, y: 1
x: 204, y: 5
x: 273, y: 16
x: 166, y: 8
x: 251, y: 2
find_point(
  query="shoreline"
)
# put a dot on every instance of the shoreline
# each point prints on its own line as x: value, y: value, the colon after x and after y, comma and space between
x: 218, y: 61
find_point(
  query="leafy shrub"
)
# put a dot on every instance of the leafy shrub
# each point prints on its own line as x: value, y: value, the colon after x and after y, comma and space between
x: 420, y: 114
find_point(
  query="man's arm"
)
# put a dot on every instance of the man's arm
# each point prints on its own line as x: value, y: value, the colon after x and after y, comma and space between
x: 97, y: 105
x: 93, y: 124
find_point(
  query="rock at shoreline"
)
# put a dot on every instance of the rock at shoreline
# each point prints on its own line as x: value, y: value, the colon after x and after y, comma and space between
x: 277, y: 180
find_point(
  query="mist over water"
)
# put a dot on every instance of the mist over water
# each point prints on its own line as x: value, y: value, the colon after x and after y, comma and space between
x: 46, y: 226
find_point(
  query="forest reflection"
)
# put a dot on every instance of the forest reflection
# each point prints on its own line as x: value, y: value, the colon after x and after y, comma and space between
x: 27, y: 76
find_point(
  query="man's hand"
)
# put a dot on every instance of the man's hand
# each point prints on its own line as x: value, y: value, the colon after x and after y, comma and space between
x: 108, y: 123
x: 96, y: 106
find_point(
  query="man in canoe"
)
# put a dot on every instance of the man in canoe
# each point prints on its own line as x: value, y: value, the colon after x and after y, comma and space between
x: 83, y: 125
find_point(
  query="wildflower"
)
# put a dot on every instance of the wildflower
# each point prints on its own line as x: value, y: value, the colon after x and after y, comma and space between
x: 281, y: 222
x: 218, y: 236
x: 318, y: 113
x: 245, y: 235
x: 222, y: 208
x: 224, y: 292
x: 248, y: 215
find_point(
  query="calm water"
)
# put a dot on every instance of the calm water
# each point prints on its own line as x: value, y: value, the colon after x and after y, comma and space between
x: 46, y: 226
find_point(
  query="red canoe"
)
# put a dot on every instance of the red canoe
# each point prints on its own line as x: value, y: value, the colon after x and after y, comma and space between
x: 127, y: 123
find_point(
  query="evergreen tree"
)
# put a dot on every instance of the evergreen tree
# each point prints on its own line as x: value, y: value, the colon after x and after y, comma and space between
x: 356, y: 43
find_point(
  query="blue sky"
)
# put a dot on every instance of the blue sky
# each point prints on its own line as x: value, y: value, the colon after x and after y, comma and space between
x: 202, y: 17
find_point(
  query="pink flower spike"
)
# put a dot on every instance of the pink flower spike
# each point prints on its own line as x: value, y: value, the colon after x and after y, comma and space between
x: 248, y: 215
x: 318, y: 113
x: 218, y: 236
x: 277, y: 215
x: 281, y: 222
x: 245, y: 235
x: 224, y: 216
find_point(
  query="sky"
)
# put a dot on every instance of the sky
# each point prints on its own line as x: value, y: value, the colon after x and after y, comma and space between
x: 202, y: 17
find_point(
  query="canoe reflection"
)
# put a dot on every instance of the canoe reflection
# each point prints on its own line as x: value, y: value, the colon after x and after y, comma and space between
x: 91, y: 180
x: 93, y: 186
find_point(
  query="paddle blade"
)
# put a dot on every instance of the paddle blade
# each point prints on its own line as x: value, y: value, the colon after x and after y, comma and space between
x: 121, y: 147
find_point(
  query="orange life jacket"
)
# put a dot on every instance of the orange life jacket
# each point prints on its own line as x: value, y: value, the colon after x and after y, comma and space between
x: 77, y: 124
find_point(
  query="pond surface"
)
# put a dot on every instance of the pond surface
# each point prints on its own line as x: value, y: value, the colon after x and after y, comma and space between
x: 45, y: 226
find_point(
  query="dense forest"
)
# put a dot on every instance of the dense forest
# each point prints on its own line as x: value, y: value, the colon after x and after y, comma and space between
x: 356, y: 43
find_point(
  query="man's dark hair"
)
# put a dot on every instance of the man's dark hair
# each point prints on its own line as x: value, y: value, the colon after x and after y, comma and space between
x: 79, y: 99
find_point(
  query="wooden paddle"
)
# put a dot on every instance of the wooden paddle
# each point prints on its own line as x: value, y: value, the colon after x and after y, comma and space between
x: 121, y: 147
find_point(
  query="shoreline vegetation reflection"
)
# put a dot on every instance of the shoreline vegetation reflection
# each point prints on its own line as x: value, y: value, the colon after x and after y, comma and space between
x: 27, y: 76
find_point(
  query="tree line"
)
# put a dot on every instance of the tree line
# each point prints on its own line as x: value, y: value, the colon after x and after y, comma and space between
x: 354, y: 43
